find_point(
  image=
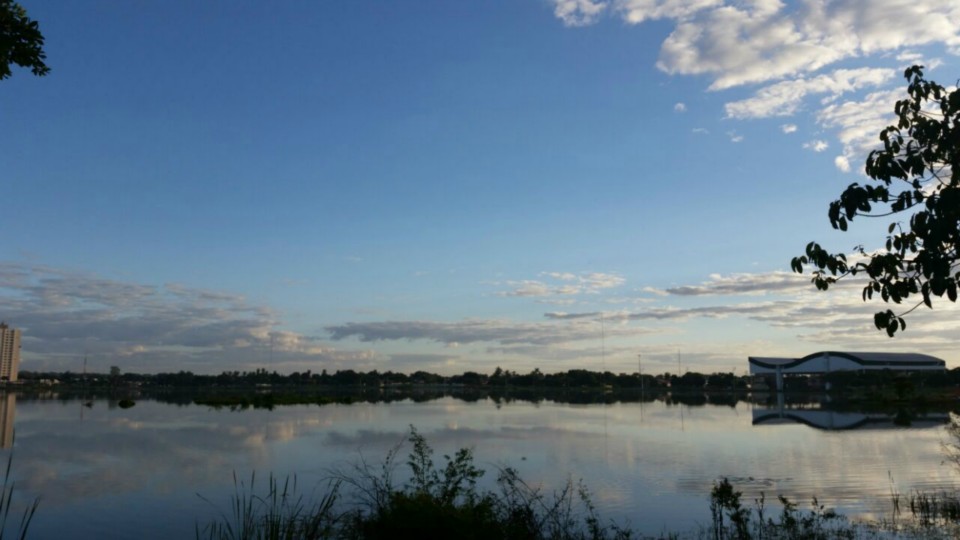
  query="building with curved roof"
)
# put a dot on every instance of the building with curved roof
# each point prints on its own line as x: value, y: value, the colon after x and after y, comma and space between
x: 827, y: 361
x: 830, y: 361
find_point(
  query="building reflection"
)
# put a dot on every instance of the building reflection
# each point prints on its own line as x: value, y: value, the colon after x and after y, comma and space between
x: 820, y: 417
x: 8, y: 411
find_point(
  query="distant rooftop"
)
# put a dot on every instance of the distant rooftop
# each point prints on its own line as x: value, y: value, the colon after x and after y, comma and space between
x: 827, y: 361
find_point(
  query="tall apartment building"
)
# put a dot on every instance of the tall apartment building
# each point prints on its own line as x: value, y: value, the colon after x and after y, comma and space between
x: 9, y: 352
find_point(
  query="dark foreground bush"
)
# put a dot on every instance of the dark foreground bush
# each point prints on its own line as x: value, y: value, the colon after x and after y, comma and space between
x: 732, y: 520
x: 441, y: 503
x: 437, y: 502
x: 444, y: 502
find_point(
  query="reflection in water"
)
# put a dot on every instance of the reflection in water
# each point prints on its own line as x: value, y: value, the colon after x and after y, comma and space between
x: 135, y: 473
x: 8, y: 411
x: 828, y: 419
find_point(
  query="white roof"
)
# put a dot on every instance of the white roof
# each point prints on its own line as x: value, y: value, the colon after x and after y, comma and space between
x: 813, y: 363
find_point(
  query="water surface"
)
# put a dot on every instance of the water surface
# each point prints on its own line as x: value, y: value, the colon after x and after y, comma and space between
x: 106, y: 472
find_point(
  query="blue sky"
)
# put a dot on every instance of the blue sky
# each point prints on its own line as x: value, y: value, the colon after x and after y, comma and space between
x: 448, y: 186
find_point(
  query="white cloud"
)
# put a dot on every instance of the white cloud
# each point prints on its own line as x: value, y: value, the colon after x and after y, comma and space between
x: 569, y: 284
x: 816, y: 145
x: 842, y: 163
x: 653, y: 290
x: 783, y: 300
x: 930, y: 63
x: 578, y: 12
x: 595, y: 281
x: 148, y: 328
x: 765, y: 40
x: 755, y: 42
x: 788, y: 45
x: 562, y: 276
x: 701, y: 131
x: 785, y: 98
x: 637, y: 11
x: 527, y: 288
x: 913, y: 58
x: 740, y: 46
x: 741, y: 284
x: 734, y: 137
x: 837, y: 318
x: 680, y: 107
x: 410, y: 362
x: 859, y: 123
x: 910, y: 57
x: 503, y: 332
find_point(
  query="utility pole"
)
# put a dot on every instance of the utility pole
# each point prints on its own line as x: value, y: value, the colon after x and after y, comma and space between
x: 643, y: 394
x: 603, y: 345
x: 640, y: 370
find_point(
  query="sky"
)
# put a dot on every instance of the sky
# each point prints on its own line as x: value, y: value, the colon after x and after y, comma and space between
x: 450, y: 186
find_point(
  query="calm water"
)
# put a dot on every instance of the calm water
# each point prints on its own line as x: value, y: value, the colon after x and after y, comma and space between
x: 106, y: 472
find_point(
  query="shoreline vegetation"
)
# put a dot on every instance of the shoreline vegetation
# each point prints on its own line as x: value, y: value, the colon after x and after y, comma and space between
x: 902, y: 398
x: 432, y: 500
x: 261, y: 388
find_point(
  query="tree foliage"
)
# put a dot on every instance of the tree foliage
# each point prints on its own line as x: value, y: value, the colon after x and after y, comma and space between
x: 917, y: 180
x: 21, y: 42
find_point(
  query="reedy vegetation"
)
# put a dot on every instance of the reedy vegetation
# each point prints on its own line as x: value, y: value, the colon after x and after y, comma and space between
x: 6, y: 504
x: 444, y: 501
x: 434, y: 502
x: 282, y: 513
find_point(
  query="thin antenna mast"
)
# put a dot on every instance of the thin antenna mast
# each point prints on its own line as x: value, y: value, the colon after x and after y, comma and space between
x: 603, y: 348
x: 640, y: 370
x: 642, y: 392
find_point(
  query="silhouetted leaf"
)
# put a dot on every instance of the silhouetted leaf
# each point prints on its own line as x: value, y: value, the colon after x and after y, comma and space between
x: 919, y: 260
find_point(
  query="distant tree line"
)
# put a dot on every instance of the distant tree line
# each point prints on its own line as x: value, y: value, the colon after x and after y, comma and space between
x: 500, y: 378
x: 574, y: 378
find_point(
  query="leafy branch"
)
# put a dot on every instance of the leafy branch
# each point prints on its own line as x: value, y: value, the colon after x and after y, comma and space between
x: 920, y: 255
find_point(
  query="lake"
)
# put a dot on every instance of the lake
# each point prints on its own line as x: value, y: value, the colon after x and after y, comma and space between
x: 103, y: 471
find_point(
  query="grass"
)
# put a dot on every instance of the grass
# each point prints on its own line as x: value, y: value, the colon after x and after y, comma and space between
x: 941, y: 507
x: 6, y: 504
x: 442, y: 498
x: 281, y: 513
x: 445, y: 502
x: 732, y: 520
x: 436, y: 502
